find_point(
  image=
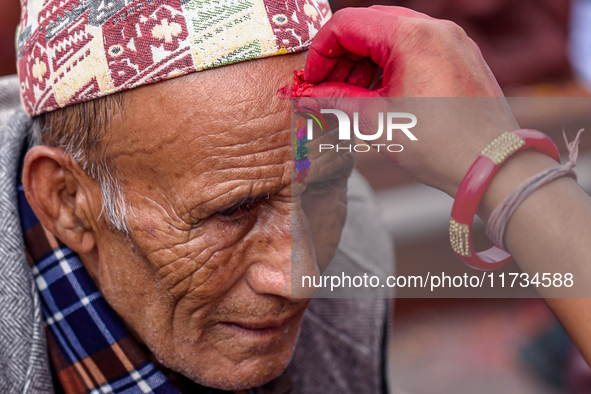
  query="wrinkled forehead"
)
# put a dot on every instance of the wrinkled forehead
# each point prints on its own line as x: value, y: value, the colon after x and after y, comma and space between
x: 201, y: 122
x: 214, y: 102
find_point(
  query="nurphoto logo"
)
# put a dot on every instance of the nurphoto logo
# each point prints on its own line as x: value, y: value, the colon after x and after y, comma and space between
x: 391, y: 119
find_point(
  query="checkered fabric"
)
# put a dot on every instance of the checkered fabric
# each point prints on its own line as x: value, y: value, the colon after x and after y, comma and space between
x: 70, y: 51
x: 90, y: 349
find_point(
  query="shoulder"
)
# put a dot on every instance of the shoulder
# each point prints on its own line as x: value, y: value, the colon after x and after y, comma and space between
x: 9, y: 98
x: 14, y: 123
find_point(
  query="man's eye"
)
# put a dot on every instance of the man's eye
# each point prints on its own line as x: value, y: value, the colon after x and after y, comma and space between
x: 234, y: 210
x: 237, y: 210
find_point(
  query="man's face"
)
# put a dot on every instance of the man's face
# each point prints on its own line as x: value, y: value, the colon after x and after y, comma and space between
x: 204, y: 278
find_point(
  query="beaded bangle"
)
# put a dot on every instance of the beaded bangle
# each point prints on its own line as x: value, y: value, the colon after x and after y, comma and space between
x: 473, y: 187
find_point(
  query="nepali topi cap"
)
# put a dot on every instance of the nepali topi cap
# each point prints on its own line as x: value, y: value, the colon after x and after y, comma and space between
x: 70, y: 51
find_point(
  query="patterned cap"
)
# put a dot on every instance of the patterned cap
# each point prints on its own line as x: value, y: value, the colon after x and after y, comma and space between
x: 70, y: 51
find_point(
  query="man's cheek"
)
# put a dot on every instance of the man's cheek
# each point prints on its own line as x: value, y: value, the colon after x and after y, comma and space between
x: 183, y: 261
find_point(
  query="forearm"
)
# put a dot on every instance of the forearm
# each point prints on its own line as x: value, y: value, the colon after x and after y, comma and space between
x: 549, y: 232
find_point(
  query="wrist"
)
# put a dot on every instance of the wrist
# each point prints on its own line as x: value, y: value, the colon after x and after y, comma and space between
x: 514, y: 171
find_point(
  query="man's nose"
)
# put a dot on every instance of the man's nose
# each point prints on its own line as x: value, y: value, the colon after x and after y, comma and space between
x: 285, y: 254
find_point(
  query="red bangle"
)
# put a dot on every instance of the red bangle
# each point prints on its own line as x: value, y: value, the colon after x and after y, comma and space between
x: 472, y: 189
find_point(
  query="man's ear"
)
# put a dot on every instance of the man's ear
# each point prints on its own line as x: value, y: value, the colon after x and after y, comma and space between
x: 60, y: 193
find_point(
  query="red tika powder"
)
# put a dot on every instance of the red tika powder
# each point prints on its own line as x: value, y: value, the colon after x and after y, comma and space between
x: 299, y: 84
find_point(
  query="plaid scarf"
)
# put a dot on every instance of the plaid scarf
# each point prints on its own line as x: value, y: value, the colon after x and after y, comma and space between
x: 89, y: 348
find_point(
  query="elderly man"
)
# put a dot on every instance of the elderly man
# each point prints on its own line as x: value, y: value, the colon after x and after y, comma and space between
x: 158, y: 221
x: 161, y: 222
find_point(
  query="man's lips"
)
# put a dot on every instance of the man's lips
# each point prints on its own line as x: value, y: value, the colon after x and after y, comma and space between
x: 259, y: 328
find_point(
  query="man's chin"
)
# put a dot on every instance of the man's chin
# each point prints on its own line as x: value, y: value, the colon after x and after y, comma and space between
x: 251, y: 373
x: 246, y: 358
x: 243, y: 380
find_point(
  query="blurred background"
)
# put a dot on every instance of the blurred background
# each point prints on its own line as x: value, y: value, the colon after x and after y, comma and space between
x: 538, y: 48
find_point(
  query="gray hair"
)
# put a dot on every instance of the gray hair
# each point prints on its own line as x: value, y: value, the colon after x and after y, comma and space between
x: 82, y: 131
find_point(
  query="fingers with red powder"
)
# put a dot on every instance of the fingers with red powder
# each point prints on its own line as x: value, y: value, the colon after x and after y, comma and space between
x: 354, y: 33
x: 379, y: 36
